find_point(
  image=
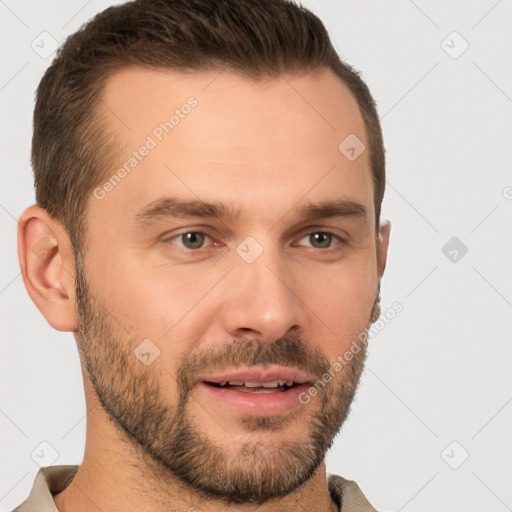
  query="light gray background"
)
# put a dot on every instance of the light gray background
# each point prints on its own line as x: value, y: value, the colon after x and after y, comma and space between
x: 440, y: 372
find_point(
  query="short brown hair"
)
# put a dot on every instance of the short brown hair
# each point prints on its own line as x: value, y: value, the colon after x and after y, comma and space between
x: 72, y: 151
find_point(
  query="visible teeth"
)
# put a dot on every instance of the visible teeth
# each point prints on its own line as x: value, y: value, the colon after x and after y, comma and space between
x: 273, y: 384
x: 243, y: 389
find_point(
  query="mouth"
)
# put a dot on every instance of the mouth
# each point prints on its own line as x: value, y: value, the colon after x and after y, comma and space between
x: 257, y: 392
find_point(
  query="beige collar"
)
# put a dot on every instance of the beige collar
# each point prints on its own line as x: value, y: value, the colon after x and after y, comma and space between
x: 53, y: 479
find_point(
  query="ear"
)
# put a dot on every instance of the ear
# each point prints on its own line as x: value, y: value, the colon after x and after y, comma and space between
x: 384, y: 232
x: 47, y: 266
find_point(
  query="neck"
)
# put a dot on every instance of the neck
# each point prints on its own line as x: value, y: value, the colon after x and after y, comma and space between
x: 116, y: 475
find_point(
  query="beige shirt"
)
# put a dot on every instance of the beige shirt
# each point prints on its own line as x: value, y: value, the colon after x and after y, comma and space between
x: 54, y: 479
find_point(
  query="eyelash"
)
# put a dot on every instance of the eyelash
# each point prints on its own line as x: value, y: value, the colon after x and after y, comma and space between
x: 326, y: 250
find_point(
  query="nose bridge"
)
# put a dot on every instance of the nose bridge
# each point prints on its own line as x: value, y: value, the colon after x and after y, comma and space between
x: 261, y: 301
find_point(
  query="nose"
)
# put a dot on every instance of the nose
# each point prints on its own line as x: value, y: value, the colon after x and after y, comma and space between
x: 262, y: 300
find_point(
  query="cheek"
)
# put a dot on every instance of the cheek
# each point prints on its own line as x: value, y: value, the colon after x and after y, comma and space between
x: 156, y: 302
x: 340, y: 302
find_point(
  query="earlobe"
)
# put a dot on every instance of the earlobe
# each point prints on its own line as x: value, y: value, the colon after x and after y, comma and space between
x: 47, y: 266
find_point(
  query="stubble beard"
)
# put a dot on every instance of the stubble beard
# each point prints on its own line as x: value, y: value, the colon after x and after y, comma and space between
x: 167, y: 434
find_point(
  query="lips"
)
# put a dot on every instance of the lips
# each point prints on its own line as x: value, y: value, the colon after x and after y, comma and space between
x: 256, y: 391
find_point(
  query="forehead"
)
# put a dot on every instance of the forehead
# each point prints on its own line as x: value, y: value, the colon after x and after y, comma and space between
x: 136, y: 98
x: 216, y: 135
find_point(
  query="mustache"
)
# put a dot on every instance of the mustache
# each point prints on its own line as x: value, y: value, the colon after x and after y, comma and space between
x: 286, y: 351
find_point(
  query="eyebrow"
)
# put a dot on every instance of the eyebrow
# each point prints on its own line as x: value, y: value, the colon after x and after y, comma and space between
x: 171, y: 208
x: 334, y: 208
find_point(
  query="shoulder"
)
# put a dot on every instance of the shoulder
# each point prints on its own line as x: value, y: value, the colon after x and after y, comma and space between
x: 49, y: 480
x: 348, y: 495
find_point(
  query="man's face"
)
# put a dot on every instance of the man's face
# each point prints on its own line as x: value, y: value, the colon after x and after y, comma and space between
x: 171, y: 305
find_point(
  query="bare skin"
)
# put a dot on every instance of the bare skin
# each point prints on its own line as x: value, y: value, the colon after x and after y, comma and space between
x: 260, y: 148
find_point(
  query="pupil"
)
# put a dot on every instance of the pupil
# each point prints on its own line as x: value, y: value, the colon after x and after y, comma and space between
x: 193, y: 240
x: 323, y: 239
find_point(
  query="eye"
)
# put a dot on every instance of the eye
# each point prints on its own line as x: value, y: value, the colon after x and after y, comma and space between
x: 190, y: 239
x: 321, y: 239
